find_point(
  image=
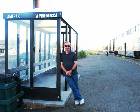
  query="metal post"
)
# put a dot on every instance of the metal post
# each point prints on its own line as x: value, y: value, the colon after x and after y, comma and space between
x: 18, y: 44
x: 77, y: 45
x: 63, y: 42
x: 44, y: 49
x: 58, y: 81
x: 40, y: 50
x: 125, y: 48
x: 66, y: 39
x: 69, y: 34
x: 27, y: 49
x: 110, y: 46
x: 113, y: 44
x: 32, y: 52
x: 6, y: 46
x: 49, y: 47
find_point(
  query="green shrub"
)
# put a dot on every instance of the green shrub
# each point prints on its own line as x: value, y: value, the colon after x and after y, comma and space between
x: 82, y: 54
x: 90, y: 52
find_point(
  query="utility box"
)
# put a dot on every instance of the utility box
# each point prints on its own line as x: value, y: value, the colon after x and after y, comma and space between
x: 8, y: 105
x: 7, y: 90
x: 9, y: 97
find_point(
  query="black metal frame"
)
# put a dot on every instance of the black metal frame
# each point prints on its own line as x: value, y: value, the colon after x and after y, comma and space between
x: 36, y: 92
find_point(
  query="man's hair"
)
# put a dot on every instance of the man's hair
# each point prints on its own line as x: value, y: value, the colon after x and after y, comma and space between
x: 67, y: 42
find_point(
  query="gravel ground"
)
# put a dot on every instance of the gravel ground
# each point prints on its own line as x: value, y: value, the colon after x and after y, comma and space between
x: 108, y: 84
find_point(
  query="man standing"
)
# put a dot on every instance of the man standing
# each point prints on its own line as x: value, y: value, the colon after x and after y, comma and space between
x: 69, y: 67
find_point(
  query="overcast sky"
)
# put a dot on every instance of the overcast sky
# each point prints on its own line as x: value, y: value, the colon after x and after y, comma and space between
x: 97, y: 21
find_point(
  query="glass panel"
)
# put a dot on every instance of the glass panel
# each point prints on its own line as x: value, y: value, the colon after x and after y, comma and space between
x: 45, y: 76
x: 23, y: 36
x: 61, y: 43
x: 62, y: 36
x: 2, y: 47
x: 42, y: 49
x: 47, y: 45
x: 28, y: 41
x: 37, y: 51
x: 53, y: 49
x: 12, y: 45
x: 19, y: 29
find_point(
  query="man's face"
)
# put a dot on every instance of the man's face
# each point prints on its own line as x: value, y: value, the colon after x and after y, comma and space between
x: 67, y: 46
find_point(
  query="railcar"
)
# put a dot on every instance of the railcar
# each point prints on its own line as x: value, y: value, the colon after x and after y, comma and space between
x: 128, y: 43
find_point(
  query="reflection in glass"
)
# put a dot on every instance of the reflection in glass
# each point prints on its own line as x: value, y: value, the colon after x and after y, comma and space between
x: 12, y: 45
x: 42, y: 49
x: 18, y: 40
x: 2, y: 46
x: 45, y: 34
x: 45, y: 53
x: 22, y: 38
x: 37, y: 51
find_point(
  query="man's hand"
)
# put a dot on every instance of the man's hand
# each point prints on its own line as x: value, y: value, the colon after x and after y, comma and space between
x: 68, y: 73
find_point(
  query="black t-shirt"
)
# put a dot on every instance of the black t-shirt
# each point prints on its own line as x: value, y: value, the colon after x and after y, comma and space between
x: 68, y: 61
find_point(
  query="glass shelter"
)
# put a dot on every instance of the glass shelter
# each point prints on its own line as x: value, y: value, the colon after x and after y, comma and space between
x: 33, y: 43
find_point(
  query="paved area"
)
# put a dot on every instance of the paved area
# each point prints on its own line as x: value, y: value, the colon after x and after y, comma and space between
x: 108, y: 84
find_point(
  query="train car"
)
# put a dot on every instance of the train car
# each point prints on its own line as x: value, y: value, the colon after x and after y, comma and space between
x: 128, y: 43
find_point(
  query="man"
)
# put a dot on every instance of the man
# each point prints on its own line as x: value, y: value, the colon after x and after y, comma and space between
x: 69, y: 67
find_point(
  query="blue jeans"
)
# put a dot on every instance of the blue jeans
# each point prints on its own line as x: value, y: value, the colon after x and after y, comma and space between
x: 73, y: 83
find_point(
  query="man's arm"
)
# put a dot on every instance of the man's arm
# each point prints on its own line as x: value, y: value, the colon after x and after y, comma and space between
x: 70, y: 71
x: 63, y: 68
x: 73, y: 67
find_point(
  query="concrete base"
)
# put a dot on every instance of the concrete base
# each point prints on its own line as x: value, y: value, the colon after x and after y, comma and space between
x: 40, y: 104
x: 37, y: 104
